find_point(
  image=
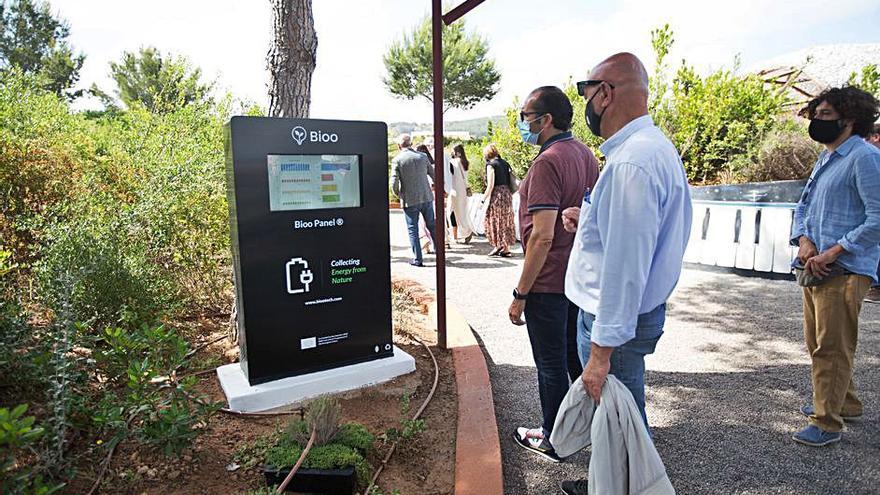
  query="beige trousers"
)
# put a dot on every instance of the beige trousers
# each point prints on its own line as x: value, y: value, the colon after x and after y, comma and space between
x: 831, y: 330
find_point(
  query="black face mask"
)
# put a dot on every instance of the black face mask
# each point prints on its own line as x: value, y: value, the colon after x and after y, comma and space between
x: 825, y: 131
x: 594, y: 120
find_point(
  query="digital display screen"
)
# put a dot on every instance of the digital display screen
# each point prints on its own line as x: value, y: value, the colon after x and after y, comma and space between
x: 314, y: 182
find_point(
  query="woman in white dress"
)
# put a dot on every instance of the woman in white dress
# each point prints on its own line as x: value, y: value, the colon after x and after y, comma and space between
x: 459, y: 218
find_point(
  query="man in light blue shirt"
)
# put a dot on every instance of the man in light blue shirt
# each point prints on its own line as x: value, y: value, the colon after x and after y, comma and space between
x: 837, y: 229
x: 873, y: 295
x: 632, y: 231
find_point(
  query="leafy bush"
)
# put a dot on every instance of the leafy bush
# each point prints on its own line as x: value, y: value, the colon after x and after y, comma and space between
x: 134, y: 203
x: 149, y: 235
x: 17, y: 357
x: 14, y: 356
x: 356, y: 436
x: 175, y: 197
x: 152, y: 404
x: 18, y: 433
x: 786, y: 153
x: 41, y: 150
x: 110, y: 270
x: 113, y: 222
x: 476, y: 175
x: 717, y: 122
x: 409, y: 428
x: 868, y: 79
x: 714, y: 119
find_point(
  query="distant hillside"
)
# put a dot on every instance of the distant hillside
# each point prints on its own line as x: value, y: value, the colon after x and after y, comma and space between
x: 476, y: 127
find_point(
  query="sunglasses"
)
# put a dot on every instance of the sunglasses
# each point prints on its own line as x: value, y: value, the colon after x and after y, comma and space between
x: 522, y: 115
x: 582, y: 85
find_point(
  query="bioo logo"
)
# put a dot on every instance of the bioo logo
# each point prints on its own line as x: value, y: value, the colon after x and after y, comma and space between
x: 299, y: 134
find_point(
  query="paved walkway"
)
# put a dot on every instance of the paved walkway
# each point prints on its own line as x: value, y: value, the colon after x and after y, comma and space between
x: 724, y: 386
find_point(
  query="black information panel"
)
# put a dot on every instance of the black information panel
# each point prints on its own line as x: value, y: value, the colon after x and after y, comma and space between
x: 308, y: 203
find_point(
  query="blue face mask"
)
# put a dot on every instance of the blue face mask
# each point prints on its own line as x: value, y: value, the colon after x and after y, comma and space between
x: 528, y: 136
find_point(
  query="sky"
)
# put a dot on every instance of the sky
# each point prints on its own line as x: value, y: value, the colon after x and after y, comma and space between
x: 533, y: 42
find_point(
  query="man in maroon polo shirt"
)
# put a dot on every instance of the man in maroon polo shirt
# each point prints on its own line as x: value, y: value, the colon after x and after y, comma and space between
x: 564, y: 170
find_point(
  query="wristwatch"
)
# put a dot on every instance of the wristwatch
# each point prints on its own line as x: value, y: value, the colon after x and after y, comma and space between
x: 517, y: 295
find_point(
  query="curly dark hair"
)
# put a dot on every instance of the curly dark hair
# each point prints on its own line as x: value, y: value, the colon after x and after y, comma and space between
x: 851, y: 103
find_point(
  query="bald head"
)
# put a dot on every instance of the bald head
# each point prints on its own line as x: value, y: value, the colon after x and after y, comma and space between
x: 618, y: 94
x: 622, y: 69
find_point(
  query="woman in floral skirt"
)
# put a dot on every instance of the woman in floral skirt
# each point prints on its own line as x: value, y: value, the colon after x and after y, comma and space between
x: 498, y: 223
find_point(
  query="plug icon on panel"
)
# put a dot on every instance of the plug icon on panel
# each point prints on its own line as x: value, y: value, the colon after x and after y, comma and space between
x: 299, y: 277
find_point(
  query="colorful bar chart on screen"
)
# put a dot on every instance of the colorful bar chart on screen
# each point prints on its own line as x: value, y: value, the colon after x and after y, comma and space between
x: 309, y: 182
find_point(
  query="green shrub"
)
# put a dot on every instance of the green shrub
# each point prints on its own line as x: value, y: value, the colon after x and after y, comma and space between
x: 176, y: 197
x: 17, y: 434
x: 110, y: 269
x: 149, y: 233
x: 717, y: 122
x: 252, y: 454
x: 786, y: 153
x: 868, y: 79
x: 18, y: 359
x: 476, y: 175
x: 15, y: 358
x: 409, y: 428
x: 42, y: 147
x: 263, y: 490
x: 717, y: 118
x: 113, y: 221
x: 349, y: 447
x: 172, y: 427
x: 356, y: 436
x: 152, y: 405
x: 330, y: 456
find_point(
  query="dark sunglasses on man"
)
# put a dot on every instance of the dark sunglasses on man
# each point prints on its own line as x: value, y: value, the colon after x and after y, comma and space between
x: 582, y: 85
x: 523, y: 115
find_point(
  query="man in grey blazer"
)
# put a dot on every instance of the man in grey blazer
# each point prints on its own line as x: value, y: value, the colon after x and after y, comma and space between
x: 409, y: 181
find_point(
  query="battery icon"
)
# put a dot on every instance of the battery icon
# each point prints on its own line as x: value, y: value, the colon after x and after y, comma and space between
x: 298, y: 275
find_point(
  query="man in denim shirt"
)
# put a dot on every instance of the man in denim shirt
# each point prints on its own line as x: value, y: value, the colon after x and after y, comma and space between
x: 837, y: 227
x: 874, y: 293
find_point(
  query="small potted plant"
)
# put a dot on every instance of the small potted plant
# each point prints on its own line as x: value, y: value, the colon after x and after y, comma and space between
x: 336, y: 462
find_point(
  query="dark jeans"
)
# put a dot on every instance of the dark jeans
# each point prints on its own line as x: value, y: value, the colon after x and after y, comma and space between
x: 552, y: 326
x: 628, y: 360
x: 878, y: 277
x: 411, y: 213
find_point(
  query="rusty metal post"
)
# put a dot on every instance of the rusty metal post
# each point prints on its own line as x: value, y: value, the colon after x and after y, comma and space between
x: 439, y: 171
x: 437, y: 21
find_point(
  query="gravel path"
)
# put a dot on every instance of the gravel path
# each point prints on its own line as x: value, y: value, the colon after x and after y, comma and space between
x: 724, y: 386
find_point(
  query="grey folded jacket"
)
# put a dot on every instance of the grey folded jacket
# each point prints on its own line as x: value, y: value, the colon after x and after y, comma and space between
x: 623, y: 460
x: 804, y: 279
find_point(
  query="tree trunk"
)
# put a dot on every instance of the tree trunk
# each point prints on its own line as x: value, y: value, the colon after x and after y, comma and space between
x: 291, y: 59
